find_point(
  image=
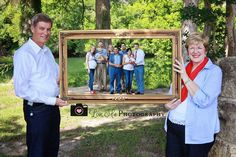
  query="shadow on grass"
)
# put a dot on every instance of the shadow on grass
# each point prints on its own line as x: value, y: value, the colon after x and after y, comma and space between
x: 118, y: 139
x: 128, y: 111
x: 2, y: 155
x: 10, y: 129
x: 125, y: 136
x: 12, y: 138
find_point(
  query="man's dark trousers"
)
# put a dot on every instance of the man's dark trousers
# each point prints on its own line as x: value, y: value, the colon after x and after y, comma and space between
x: 43, y: 129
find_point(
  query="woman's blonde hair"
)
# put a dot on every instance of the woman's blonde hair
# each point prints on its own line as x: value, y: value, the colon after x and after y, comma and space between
x: 197, y: 37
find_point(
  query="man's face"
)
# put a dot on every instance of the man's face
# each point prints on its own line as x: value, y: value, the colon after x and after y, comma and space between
x: 41, y: 32
x: 115, y: 50
x: 123, y: 47
x: 136, y: 47
x: 100, y: 45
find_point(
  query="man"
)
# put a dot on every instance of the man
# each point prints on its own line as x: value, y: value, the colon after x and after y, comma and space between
x: 139, y: 68
x: 101, y: 70
x: 115, y: 68
x: 123, y: 49
x: 36, y: 80
x: 123, y: 52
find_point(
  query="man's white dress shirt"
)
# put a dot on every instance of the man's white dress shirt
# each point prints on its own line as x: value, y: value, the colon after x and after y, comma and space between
x: 139, y: 55
x: 35, y: 74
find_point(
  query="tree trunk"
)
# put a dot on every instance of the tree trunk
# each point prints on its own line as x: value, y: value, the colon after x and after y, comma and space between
x: 188, y: 26
x: 103, y: 14
x: 28, y: 8
x: 1, y: 51
x: 230, y: 28
x: 83, y: 11
x: 209, y: 29
x: 103, y: 20
x: 25, y: 17
x: 208, y: 26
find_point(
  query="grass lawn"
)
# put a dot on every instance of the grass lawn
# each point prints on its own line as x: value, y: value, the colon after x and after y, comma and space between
x: 77, y: 74
x: 105, y: 132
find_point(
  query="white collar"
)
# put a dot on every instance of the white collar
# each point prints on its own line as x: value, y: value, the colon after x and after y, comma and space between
x: 36, y: 47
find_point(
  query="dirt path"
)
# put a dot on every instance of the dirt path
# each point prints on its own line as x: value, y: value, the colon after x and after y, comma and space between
x: 85, y: 90
x: 18, y: 148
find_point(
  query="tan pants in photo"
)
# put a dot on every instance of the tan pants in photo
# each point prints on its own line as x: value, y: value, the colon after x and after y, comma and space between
x: 102, y: 76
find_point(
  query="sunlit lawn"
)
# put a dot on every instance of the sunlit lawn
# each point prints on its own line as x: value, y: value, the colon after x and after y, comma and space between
x: 103, y: 133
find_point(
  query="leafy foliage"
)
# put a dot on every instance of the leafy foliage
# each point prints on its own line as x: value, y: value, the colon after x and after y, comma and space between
x: 150, y: 14
x: 69, y: 15
x: 6, y: 68
x: 132, y: 14
x: 216, y: 15
x: 158, y: 69
x: 10, y: 33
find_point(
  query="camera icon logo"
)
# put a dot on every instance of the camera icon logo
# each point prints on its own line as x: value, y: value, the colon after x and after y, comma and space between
x: 79, y: 110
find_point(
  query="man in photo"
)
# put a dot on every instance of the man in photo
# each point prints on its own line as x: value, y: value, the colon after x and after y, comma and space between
x: 101, y: 70
x: 36, y: 81
x: 115, y: 68
x: 139, y: 68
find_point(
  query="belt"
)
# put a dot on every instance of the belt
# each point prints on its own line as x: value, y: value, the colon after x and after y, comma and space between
x: 101, y: 63
x: 33, y: 104
x: 138, y: 65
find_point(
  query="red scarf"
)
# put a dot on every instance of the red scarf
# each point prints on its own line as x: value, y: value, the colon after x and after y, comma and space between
x: 192, y: 75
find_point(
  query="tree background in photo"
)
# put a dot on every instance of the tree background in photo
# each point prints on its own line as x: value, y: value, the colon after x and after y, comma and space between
x: 208, y: 16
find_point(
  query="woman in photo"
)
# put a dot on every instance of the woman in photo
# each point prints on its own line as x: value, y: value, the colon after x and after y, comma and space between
x: 192, y: 121
x: 128, y: 67
x: 91, y: 66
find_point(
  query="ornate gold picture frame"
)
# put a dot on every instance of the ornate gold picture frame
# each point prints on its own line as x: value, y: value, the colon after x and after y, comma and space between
x: 73, y: 97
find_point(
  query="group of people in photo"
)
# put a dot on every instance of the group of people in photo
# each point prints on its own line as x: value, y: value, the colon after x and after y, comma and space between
x: 119, y: 63
x: 192, y: 122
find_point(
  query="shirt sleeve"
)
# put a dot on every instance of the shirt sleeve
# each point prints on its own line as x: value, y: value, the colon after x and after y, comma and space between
x: 23, y: 63
x: 87, y: 60
x: 170, y: 90
x: 56, y: 65
x: 210, y: 89
x: 140, y: 57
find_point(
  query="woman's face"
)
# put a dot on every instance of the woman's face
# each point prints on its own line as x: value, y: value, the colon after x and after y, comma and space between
x: 110, y: 48
x: 129, y: 53
x: 196, y: 52
x: 93, y: 49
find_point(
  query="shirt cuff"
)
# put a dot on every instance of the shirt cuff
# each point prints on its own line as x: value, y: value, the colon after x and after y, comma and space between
x: 51, y: 101
x: 199, y: 97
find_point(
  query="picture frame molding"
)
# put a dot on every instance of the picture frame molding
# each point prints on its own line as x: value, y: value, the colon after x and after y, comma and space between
x: 65, y: 35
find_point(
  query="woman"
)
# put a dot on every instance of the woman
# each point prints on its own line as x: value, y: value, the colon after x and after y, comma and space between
x: 128, y: 66
x: 192, y: 121
x: 91, y: 66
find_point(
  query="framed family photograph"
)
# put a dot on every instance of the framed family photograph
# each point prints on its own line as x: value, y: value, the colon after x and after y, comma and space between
x: 159, y: 83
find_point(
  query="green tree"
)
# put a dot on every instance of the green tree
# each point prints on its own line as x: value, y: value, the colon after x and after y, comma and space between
x: 10, y: 36
x: 72, y: 17
x: 205, y: 15
x: 150, y: 14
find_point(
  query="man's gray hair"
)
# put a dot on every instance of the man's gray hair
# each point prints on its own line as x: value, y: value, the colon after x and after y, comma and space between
x: 40, y: 17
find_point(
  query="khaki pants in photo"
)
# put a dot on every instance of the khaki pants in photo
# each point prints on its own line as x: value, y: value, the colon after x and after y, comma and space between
x: 102, y: 76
